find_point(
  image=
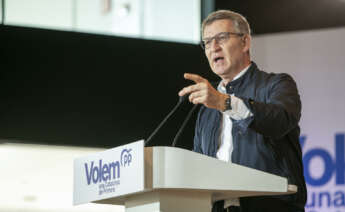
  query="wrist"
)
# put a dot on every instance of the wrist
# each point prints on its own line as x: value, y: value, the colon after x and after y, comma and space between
x: 225, y: 103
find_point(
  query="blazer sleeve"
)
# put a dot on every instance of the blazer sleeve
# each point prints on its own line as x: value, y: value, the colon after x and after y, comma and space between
x: 281, y: 111
x: 197, y: 134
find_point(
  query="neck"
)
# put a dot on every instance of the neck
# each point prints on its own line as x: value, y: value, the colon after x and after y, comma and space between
x: 234, y: 73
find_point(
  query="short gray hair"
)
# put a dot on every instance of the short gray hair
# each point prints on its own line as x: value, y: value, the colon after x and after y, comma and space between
x: 240, y: 23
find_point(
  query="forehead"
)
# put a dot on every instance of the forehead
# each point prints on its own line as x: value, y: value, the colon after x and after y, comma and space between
x: 223, y: 25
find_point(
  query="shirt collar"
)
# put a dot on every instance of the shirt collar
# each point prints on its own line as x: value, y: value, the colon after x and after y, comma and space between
x: 221, y: 86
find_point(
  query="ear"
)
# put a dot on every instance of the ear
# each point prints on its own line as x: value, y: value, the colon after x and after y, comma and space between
x: 246, y: 41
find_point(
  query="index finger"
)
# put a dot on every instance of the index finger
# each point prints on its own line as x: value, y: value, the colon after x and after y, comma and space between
x: 194, y: 77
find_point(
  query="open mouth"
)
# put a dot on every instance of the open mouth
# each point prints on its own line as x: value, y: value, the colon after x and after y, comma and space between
x: 218, y: 59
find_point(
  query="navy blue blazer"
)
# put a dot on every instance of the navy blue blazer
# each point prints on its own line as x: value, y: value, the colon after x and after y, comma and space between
x: 267, y: 141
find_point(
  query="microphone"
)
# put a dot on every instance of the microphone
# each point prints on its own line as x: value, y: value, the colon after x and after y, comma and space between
x: 181, y: 99
x: 178, y: 134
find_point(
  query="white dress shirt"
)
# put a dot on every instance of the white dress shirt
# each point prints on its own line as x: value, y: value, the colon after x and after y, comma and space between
x: 239, y: 111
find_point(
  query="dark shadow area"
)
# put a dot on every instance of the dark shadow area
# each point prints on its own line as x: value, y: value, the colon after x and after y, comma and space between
x: 69, y: 88
x: 273, y: 16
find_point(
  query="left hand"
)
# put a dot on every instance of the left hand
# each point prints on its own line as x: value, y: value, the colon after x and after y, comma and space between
x: 203, y: 93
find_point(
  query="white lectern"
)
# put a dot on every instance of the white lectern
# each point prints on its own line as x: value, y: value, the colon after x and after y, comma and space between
x: 168, y: 180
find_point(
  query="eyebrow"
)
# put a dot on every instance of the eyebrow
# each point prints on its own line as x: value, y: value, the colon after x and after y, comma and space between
x: 207, y: 38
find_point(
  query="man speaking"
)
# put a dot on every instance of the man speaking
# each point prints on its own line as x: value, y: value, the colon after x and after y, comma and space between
x: 249, y: 117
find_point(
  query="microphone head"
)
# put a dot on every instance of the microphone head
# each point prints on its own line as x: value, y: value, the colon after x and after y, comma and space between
x: 183, y: 98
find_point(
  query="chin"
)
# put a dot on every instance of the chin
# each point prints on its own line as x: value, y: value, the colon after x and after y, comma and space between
x: 220, y: 72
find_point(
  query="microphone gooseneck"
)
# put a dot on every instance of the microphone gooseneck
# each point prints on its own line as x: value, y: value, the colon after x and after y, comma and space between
x: 181, y: 99
x: 178, y: 134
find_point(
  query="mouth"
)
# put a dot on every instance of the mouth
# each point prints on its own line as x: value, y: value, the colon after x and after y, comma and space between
x: 218, y: 59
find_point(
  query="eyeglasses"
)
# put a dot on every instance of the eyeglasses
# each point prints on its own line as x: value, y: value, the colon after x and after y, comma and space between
x: 220, y: 38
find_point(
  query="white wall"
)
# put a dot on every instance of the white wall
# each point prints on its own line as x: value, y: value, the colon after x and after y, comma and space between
x: 55, y: 14
x: 0, y: 11
x: 176, y: 20
x: 90, y: 17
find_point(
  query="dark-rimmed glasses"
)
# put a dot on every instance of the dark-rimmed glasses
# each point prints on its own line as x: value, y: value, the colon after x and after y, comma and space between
x: 220, y: 38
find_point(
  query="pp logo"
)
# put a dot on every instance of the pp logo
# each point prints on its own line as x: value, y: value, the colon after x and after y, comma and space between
x: 126, y: 157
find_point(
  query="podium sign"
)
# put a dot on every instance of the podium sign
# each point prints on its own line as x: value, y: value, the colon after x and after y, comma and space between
x: 111, y: 173
x: 167, y: 179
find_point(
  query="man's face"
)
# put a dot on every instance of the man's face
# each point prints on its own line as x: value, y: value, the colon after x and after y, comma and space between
x: 226, y: 58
